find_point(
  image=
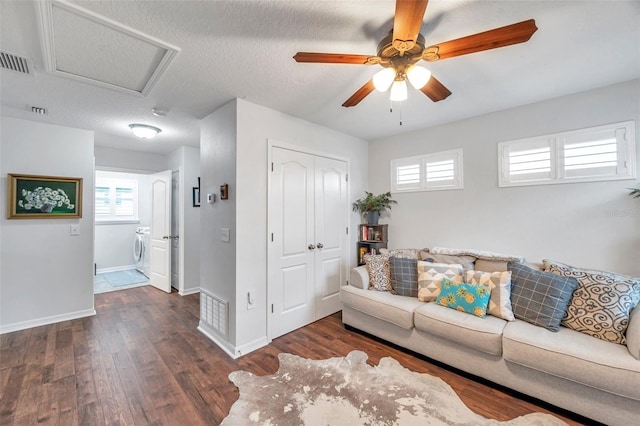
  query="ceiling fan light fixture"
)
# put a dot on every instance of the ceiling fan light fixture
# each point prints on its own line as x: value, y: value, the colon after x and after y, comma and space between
x: 383, y: 79
x: 398, y: 91
x: 144, y: 131
x: 418, y: 76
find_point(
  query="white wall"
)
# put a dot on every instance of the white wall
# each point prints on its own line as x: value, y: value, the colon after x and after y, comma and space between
x: 187, y: 160
x: 46, y: 275
x: 594, y: 225
x: 132, y: 161
x: 114, y: 241
x: 218, y: 166
x: 237, y: 155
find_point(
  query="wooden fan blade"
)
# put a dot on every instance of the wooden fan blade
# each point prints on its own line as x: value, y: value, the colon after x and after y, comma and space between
x: 435, y: 90
x: 492, y: 39
x: 407, y: 23
x: 336, y: 58
x: 360, y: 94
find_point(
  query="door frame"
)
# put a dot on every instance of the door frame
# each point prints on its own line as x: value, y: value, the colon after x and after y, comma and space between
x: 272, y: 143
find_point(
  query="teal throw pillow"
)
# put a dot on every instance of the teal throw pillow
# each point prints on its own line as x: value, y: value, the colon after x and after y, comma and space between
x: 464, y: 297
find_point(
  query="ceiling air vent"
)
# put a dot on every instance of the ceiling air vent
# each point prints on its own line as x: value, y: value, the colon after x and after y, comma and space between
x: 16, y: 63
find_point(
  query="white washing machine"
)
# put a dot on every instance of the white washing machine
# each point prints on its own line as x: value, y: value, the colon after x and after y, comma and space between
x: 141, y: 245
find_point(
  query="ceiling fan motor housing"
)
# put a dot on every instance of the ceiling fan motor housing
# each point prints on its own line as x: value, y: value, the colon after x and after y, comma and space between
x: 400, y: 61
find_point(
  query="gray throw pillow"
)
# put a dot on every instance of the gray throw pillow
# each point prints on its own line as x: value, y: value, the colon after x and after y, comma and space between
x: 404, y: 276
x: 538, y: 297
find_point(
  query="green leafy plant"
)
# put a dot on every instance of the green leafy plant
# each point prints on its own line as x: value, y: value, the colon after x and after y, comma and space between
x: 635, y: 192
x: 373, y: 203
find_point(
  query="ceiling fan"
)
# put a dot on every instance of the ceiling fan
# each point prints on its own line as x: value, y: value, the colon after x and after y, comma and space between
x: 399, y: 52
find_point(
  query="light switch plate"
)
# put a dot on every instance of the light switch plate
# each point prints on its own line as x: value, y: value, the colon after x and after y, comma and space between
x: 225, y: 235
x: 75, y: 230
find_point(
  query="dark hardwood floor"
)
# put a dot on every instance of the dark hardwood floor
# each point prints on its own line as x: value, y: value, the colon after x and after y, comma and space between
x: 141, y: 361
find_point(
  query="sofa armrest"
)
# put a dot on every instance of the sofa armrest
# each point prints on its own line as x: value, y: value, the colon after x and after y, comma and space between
x: 633, y: 333
x: 359, y: 277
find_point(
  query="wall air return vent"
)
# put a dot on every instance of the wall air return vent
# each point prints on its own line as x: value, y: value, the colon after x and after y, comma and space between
x: 12, y: 62
x: 214, y: 313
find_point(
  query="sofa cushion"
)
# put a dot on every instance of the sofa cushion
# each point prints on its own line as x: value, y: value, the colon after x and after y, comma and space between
x: 601, y: 304
x: 404, y: 276
x: 539, y: 297
x: 500, y: 283
x: 379, y: 275
x: 478, y: 254
x: 488, y: 265
x: 464, y: 297
x: 481, y: 334
x: 633, y: 333
x: 359, y: 277
x: 383, y: 305
x: 465, y: 261
x: 430, y: 276
x: 573, y: 356
x: 403, y: 253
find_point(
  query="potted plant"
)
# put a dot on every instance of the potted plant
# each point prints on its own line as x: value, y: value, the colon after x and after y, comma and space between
x: 373, y: 205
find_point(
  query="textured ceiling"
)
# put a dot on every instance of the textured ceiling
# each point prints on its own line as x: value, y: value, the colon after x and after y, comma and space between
x: 244, y: 49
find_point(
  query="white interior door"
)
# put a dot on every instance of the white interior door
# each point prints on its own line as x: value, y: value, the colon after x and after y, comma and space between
x: 330, y: 234
x: 291, y: 251
x: 175, y: 230
x: 160, y: 253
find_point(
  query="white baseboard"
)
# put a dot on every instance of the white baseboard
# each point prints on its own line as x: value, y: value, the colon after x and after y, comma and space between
x: 225, y: 346
x: 188, y: 291
x: 234, y: 352
x: 115, y: 269
x: 17, y: 326
x: 252, y: 346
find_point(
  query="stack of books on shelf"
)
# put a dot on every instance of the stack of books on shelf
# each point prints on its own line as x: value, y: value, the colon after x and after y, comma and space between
x: 370, y: 234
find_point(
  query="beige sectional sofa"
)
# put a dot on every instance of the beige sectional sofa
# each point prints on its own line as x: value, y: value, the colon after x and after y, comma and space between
x: 583, y: 374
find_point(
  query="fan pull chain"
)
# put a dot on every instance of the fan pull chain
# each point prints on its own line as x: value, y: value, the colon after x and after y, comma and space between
x: 391, y: 110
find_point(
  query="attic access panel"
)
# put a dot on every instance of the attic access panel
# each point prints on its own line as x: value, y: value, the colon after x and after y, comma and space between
x: 83, y: 45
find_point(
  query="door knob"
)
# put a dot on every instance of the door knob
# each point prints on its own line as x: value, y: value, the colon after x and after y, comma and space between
x: 311, y: 247
x: 320, y: 245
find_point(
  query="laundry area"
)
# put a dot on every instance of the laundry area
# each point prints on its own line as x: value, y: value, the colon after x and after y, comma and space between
x: 122, y: 231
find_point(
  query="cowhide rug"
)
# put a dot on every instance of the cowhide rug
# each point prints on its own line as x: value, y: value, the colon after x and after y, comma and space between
x: 348, y: 391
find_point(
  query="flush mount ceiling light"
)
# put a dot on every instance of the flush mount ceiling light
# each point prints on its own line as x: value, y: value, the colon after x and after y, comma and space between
x: 144, y: 131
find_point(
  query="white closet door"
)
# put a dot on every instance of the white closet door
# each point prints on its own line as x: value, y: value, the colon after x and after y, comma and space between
x: 330, y: 234
x: 291, y: 290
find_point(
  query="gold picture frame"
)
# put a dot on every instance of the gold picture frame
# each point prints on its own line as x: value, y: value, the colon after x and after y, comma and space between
x: 43, y: 197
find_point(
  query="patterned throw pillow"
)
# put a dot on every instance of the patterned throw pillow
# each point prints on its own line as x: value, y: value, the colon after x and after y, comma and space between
x: 430, y: 276
x: 379, y: 273
x: 602, y: 303
x: 465, y: 297
x: 500, y: 284
x: 539, y: 297
x: 404, y: 276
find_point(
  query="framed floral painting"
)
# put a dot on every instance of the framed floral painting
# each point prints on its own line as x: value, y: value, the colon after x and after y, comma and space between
x: 43, y: 197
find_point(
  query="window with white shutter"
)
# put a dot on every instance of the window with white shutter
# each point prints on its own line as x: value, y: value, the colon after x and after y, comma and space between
x: 116, y: 200
x: 430, y: 172
x: 586, y: 155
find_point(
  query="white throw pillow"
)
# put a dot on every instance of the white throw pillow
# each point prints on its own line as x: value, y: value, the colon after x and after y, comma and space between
x: 500, y: 283
x: 430, y: 277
